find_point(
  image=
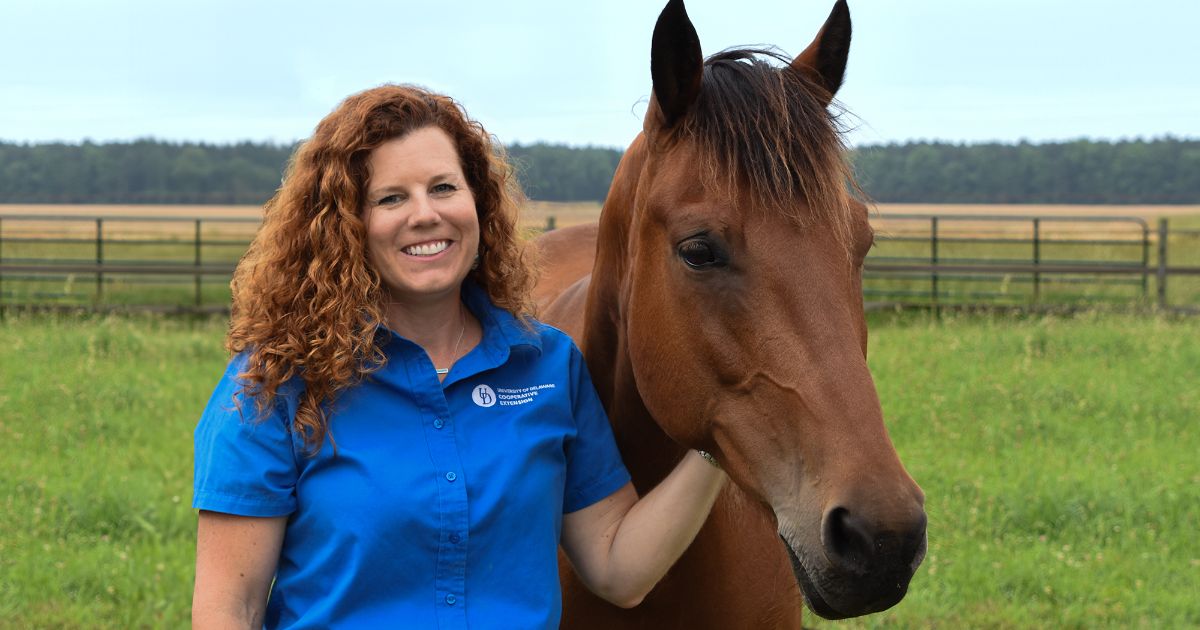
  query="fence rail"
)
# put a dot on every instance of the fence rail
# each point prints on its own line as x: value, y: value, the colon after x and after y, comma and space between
x: 185, y: 263
x: 130, y: 261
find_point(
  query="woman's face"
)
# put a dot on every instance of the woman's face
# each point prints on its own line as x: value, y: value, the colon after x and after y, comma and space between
x: 422, y: 230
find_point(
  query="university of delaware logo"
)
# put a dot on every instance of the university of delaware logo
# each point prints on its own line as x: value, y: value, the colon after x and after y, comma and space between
x: 483, y: 396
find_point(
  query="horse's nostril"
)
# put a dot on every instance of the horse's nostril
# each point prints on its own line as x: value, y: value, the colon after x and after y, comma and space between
x: 849, y: 542
x: 857, y: 544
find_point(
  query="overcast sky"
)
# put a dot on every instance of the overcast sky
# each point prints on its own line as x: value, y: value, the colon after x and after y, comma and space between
x: 578, y: 72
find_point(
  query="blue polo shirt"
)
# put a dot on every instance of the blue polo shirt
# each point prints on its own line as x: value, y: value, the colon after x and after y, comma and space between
x: 443, y: 506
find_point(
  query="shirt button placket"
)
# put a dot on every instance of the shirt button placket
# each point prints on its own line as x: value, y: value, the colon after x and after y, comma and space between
x: 452, y: 561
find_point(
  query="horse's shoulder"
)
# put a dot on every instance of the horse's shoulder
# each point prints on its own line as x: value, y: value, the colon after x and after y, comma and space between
x: 566, y: 309
x: 568, y: 239
x: 563, y: 257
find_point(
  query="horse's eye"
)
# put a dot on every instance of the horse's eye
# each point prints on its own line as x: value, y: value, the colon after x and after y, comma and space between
x: 698, y: 254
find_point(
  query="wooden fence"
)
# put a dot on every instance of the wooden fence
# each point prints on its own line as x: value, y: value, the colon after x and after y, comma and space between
x: 185, y: 263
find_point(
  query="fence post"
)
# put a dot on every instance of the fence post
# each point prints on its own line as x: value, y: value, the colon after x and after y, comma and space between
x: 1163, y: 233
x: 933, y: 261
x: 1, y: 264
x: 1037, y: 259
x: 551, y: 223
x: 99, y: 259
x: 1145, y: 262
x: 197, y: 242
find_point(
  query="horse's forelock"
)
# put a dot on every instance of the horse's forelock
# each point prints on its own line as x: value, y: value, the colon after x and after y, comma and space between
x: 765, y: 137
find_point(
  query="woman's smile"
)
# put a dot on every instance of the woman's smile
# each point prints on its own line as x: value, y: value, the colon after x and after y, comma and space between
x: 427, y: 249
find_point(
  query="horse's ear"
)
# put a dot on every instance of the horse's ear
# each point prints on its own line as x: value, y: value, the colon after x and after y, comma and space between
x: 676, y: 63
x: 824, y: 61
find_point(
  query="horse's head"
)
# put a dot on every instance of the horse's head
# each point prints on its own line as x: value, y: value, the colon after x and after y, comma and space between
x: 745, y: 326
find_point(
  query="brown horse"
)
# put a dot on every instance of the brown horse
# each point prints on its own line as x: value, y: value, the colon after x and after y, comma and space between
x: 719, y: 305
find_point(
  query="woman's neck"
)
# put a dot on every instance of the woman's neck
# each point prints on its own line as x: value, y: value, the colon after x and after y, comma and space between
x: 427, y: 323
x: 444, y: 328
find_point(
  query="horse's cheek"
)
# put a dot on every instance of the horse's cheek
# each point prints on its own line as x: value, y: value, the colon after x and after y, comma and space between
x: 661, y: 371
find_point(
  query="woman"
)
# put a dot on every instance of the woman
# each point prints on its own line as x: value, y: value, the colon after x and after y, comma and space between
x: 396, y: 442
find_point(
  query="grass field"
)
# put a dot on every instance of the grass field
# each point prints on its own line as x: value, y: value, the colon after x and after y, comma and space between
x: 1058, y: 456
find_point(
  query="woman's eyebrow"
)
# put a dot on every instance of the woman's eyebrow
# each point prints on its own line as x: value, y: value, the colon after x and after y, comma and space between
x: 400, y: 188
x: 390, y: 188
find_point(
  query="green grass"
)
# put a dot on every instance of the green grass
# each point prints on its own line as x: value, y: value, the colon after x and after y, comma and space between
x: 1058, y: 456
x: 96, y: 416
x: 1059, y: 459
x: 120, y: 291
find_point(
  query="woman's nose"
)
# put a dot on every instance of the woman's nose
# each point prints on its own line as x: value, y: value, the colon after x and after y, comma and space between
x: 423, y: 211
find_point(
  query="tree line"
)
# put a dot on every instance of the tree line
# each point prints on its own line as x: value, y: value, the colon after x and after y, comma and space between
x: 1165, y: 170
x: 1161, y: 171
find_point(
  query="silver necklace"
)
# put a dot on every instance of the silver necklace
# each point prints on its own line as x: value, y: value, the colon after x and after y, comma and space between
x: 444, y: 371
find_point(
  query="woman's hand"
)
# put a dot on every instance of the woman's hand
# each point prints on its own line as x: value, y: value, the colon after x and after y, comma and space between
x: 235, y: 563
x: 621, y: 546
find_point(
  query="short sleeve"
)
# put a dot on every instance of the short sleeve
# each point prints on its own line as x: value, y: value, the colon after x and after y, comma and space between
x: 594, y: 466
x: 244, y: 465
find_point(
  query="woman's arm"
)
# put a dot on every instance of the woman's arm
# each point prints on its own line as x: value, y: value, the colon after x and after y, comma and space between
x: 622, y: 546
x: 235, y: 563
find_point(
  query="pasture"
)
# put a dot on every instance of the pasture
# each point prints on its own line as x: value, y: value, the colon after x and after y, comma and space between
x: 535, y: 213
x: 1057, y: 455
x: 1085, y: 236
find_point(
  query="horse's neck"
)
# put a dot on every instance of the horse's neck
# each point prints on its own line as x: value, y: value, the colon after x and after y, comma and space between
x: 649, y: 453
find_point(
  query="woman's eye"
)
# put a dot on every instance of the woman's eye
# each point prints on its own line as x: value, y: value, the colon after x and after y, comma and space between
x: 698, y: 254
x: 445, y: 188
x: 388, y: 200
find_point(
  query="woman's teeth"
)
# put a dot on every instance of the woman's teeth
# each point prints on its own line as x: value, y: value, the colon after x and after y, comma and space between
x: 426, y: 249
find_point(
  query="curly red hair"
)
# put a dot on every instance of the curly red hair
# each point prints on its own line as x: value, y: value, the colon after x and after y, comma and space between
x: 306, y: 302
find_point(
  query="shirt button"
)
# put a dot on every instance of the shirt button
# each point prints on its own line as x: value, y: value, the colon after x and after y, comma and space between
x: 450, y: 599
x: 438, y: 423
x: 454, y: 538
x: 450, y: 476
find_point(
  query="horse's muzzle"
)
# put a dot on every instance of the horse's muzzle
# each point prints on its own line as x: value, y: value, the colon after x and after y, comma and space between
x: 860, y: 571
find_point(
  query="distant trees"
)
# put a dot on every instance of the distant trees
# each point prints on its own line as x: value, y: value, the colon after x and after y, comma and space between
x: 143, y: 171
x: 556, y: 172
x: 151, y: 171
x: 1165, y: 171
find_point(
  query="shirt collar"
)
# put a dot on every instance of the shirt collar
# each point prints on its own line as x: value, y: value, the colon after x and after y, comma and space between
x: 501, y: 329
x: 502, y: 333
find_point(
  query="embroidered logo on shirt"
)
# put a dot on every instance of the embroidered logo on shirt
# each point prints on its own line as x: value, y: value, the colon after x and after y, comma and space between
x: 520, y: 395
x: 483, y: 396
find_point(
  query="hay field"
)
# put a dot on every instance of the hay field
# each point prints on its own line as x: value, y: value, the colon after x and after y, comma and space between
x: 240, y: 221
x: 150, y: 211
x: 1067, y: 225
x: 589, y: 211
x: 533, y: 216
x: 884, y: 216
x: 1147, y: 212
x: 583, y: 211
x: 125, y: 223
